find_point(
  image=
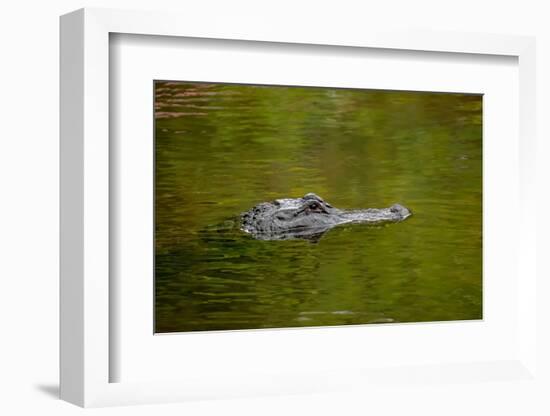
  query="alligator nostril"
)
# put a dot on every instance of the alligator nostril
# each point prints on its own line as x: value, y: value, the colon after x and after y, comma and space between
x: 396, y: 208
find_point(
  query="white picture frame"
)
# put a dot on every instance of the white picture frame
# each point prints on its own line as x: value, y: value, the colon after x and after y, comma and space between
x: 85, y: 210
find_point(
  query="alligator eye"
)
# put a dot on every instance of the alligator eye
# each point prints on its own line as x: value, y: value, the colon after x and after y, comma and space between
x: 315, y: 207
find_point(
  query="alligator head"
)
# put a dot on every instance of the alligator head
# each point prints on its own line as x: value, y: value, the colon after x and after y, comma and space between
x: 309, y: 218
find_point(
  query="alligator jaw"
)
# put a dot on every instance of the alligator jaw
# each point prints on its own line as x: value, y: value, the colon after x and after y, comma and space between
x: 395, y: 213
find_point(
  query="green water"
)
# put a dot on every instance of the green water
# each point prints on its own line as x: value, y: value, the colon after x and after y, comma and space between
x: 220, y: 149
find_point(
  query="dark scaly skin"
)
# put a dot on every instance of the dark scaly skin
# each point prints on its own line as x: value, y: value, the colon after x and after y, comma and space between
x: 309, y: 217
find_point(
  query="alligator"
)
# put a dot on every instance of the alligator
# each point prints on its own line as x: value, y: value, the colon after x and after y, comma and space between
x: 309, y: 218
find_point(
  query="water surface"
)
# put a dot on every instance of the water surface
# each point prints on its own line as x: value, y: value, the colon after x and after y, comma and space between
x: 220, y: 149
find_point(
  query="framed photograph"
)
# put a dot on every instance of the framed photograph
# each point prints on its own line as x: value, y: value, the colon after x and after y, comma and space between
x: 277, y: 212
x: 221, y: 264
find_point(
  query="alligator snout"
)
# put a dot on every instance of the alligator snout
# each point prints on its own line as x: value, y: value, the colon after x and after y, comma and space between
x: 400, y: 210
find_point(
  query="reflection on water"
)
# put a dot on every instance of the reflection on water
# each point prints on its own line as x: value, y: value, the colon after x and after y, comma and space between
x: 221, y: 149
